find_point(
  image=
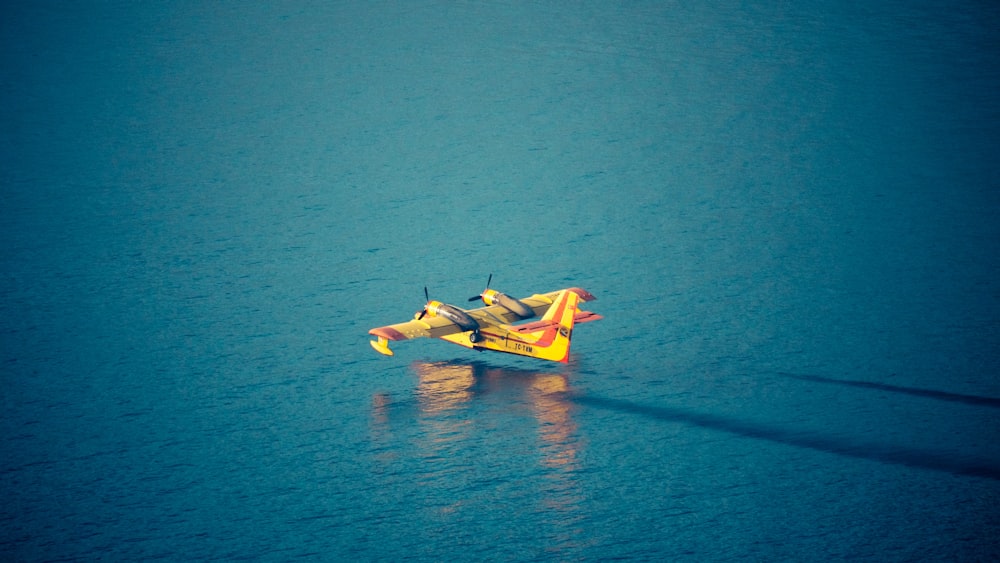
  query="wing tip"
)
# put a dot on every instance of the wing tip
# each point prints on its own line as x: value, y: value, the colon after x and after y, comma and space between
x: 583, y: 293
x: 387, y: 333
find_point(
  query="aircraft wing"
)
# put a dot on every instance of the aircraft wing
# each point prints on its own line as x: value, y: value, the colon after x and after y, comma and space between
x: 493, y: 315
x: 539, y: 303
x: 428, y: 327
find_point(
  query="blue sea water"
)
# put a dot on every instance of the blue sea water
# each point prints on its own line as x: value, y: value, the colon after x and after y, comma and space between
x: 789, y: 213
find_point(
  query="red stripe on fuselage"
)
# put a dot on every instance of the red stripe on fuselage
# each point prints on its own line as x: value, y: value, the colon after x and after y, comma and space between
x: 534, y: 327
x: 550, y: 326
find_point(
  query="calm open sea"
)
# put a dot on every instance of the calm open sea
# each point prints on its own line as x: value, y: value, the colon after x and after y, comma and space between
x: 789, y: 213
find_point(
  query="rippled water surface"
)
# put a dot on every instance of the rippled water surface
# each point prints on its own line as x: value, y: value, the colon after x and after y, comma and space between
x: 790, y: 217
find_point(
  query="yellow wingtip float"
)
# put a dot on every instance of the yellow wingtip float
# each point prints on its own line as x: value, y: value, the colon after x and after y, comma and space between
x: 381, y: 346
x: 491, y: 327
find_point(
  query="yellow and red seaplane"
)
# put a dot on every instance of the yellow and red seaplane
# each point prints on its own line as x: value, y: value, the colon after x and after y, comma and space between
x: 492, y: 327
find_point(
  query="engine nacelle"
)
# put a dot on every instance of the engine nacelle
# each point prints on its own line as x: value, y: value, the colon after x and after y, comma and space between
x: 453, y: 314
x: 494, y: 297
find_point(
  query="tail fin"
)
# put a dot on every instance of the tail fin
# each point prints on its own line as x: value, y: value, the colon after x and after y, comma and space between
x: 554, y: 339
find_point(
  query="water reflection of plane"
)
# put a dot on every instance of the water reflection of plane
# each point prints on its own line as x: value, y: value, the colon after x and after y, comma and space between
x: 446, y: 394
x: 445, y: 386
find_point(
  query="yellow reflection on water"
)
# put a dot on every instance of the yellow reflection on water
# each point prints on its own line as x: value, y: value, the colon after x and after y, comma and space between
x: 443, y: 386
x: 446, y: 386
x: 556, y: 427
x: 447, y: 434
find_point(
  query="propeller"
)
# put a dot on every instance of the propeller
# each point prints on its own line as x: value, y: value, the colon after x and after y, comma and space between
x: 427, y: 299
x: 484, y: 291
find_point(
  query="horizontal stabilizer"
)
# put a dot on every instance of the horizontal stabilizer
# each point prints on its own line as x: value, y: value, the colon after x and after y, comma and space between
x: 586, y: 317
x: 579, y: 317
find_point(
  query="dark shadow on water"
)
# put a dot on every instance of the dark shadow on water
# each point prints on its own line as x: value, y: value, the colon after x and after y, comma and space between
x: 453, y: 383
x: 917, y: 392
x: 954, y: 464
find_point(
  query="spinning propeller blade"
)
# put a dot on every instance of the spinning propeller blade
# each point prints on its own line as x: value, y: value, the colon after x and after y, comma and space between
x: 427, y: 299
x: 490, y: 279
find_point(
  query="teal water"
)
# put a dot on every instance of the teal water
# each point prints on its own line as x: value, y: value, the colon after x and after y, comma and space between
x: 790, y: 217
